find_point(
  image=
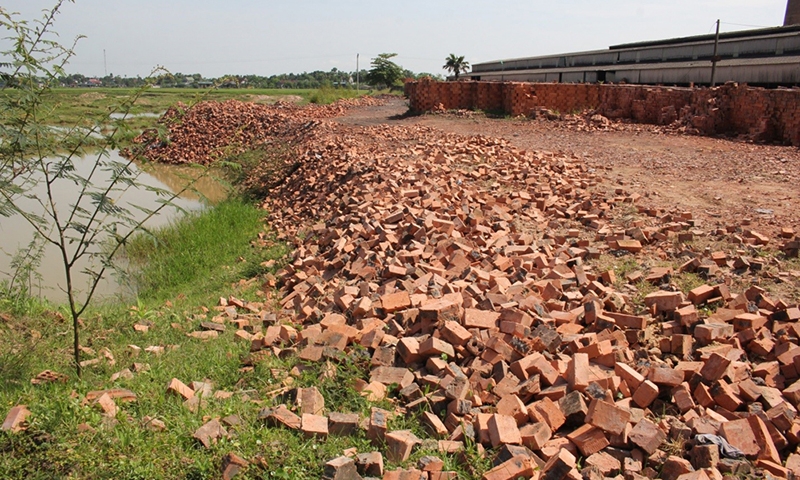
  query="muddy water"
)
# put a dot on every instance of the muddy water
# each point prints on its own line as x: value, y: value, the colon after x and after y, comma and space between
x: 117, y: 115
x: 16, y: 233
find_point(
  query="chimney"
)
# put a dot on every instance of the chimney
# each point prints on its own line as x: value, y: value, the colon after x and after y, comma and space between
x: 792, y: 13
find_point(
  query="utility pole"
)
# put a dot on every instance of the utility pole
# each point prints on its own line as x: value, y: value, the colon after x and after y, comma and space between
x: 358, y: 73
x: 105, y: 64
x: 715, y: 59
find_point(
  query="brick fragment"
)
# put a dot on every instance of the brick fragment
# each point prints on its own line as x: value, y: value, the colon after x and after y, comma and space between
x: 665, y: 376
x: 399, y: 445
x: 503, y: 430
x: 607, y: 417
x: 511, y: 405
x: 768, y: 450
x: 280, y: 416
x: 15, y: 420
x: 402, y: 377
x: 341, y: 468
x: 664, y: 301
x: 474, y: 318
x: 574, y: 408
x: 559, y: 466
x: 394, y: 302
x: 707, y: 333
x: 607, y: 464
x: 578, y: 371
x: 342, y: 423
x: 378, y: 421
x: 434, y: 424
x: 588, y: 439
x: 645, y: 394
x: 179, y: 388
x: 647, y: 436
x: 546, y: 410
x: 535, y: 435
x: 674, y: 467
x: 310, y: 401
x: 704, y: 456
x: 370, y: 464
x: 405, y: 474
x: 511, y: 469
x: 314, y: 425
x: 210, y: 432
x: 232, y: 465
x: 740, y: 434
x: 107, y: 405
x: 430, y: 463
x: 454, y: 333
x: 714, y: 367
x: 627, y: 373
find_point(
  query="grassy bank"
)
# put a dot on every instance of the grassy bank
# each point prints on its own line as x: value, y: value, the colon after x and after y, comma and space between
x: 186, y: 268
x: 202, y: 253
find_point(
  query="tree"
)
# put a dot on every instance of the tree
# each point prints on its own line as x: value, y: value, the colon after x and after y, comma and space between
x: 384, y: 71
x: 456, y: 65
x: 37, y: 159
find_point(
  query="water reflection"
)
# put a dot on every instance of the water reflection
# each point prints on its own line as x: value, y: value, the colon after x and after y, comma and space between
x: 16, y: 233
x: 120, y: 115
x: 209, y: 188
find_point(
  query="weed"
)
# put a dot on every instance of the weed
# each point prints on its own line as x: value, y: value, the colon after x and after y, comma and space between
x: 327, y: 94
x: 688, y: 281
x: 675, y: 446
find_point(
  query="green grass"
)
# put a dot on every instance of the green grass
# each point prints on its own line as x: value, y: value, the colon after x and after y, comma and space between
x: 201, y: 253
x: 326, y: 95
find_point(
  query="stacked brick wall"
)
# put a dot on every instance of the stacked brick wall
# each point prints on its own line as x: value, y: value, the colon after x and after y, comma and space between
x: 756, y: 113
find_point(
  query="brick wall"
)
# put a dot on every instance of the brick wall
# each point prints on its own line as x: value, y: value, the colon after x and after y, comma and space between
x: 757, y: 113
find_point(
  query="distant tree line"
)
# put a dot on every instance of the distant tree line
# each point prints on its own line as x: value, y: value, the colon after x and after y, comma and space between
x: 334, y: 78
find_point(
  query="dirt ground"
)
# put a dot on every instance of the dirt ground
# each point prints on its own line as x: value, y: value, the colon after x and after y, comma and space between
x: 721, y: 181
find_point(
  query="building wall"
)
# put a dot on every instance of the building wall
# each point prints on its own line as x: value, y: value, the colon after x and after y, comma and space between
x: 757, y: 113
x: 792, y: 13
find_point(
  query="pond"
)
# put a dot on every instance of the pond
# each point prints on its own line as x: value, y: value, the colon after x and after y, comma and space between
x: 16, y: 233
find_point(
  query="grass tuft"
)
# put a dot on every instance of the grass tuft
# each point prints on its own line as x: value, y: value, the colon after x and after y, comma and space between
x: 200, y: 253
x: 327, y: 95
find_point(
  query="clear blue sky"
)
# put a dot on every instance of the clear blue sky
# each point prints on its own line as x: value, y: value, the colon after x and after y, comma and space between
x: 216, y: 37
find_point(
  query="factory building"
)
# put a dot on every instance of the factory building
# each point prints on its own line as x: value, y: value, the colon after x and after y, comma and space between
x: 766, y: 57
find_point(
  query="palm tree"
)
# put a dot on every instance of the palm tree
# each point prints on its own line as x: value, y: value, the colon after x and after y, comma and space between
x: 457, y: 65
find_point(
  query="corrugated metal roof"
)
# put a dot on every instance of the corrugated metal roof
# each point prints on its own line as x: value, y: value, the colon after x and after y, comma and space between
x: 652, y: 66
x: 741, y: 34
x: 767, y: 33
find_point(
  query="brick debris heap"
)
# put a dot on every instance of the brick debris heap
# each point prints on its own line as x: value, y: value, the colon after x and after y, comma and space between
x: 209, y: 131
x: 468, y: 270
x: 464, y: 266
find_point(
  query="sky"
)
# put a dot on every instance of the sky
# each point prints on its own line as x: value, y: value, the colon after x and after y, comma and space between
x: 268, y: 37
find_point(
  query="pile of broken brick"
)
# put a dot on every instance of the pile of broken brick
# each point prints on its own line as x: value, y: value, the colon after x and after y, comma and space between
x: 468, y: 269
x: 209, y: 131
x: 465, y: 267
